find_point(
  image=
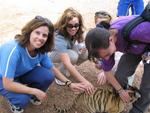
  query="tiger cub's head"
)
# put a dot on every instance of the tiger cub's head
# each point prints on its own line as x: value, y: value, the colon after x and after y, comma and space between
x: 134, y: 93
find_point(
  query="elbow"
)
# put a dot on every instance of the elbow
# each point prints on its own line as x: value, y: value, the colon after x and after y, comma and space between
x: 7, y: 84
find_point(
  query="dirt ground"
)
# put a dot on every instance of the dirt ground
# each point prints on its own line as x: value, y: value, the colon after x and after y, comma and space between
x: 62, y: 96
x: 14, y: 14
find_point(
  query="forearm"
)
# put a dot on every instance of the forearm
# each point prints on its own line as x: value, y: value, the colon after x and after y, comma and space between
x: 59, y: 75
x: 112, y: 80
x: 71, y: 68
x: 122, y: 93
x: 17, y: 87
x: 75, y: 73
x: 20, y: 88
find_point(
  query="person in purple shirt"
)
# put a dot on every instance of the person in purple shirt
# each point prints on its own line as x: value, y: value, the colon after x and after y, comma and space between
x: 102, y: 44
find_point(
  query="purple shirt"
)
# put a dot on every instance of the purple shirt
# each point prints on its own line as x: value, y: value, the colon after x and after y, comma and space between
x: 140, y: 33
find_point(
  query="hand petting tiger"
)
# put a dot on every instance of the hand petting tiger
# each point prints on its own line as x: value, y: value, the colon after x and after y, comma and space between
x: 104, y: 99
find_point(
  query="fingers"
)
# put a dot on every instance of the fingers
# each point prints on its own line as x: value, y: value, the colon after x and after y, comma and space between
x: 86, y: 87
x: 77, y: 87
x: 80, y: 88
x: 40, y: 95
x: 101, y: 79
x: 125, y: 96
x: 89, y: 89
x: 76, y: 92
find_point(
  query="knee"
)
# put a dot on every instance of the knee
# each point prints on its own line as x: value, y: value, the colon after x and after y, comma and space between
x: 55, y: 56
x: 73, y: 55
x: 49, y: 77
x: 44, y: 75
x: 84, y: 56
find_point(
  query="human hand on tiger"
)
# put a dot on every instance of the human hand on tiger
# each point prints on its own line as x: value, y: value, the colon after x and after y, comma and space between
x: 77, y: 87
x: 101, y: 78
x: 89, y: 88
x: 124, y: 95
x: 98, y: 64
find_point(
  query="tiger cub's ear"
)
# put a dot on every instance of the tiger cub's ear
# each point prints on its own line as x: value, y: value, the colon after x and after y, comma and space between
x: 134, y: 93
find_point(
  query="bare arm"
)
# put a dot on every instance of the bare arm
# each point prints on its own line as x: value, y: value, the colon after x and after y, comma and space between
x: 66, y: 61
x: 112, y: 80
x: 59, y: 75
x: 76, y: 87
x: 89, y: 88
x: 16, y: 87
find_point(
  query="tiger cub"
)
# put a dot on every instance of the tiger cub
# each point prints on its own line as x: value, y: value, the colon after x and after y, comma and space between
x: 104, y: 99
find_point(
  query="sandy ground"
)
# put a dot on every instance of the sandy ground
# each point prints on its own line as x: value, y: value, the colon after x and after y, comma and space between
x: 15, y: 14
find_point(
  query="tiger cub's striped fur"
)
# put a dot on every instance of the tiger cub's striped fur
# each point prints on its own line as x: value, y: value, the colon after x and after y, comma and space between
x: 105, y: 99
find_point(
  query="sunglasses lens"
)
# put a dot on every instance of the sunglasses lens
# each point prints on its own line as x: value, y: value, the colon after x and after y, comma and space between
x: 76, y: 25
x: 72, y: 26
x: 69, y: 25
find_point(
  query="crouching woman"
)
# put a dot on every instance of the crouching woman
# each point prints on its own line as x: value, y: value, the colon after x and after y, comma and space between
x: 26, y: 71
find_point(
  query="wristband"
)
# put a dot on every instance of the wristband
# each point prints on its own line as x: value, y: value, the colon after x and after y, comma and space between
x: 68, y: 82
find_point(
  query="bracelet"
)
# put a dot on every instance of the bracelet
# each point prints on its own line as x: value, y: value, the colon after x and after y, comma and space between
x: 119, y: 90
x: 68, y: 82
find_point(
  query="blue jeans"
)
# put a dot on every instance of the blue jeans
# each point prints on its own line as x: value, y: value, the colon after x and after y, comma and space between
x: 39, y: 78
x: 137, y: 6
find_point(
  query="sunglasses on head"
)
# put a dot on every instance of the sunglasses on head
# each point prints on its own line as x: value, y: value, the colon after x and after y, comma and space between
x: 73, y: 26
x: 102, y: 14
x: 40, y: 18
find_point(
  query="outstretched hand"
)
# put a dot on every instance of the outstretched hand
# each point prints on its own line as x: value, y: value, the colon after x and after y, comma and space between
x: 89, y: 88
x: 40, y: 94
x: 77, y: 87
x: 101, y: 78
x: 86, y: 87
x: 124, y: 96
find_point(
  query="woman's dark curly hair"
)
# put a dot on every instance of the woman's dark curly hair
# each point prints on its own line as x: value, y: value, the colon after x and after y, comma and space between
x: 95, y: 39
x: 38, y: 21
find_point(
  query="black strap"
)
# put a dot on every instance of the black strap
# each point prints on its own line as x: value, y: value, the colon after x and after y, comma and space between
x: 145, y: 16
x: 129, y: 27
x: 146, y: 13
